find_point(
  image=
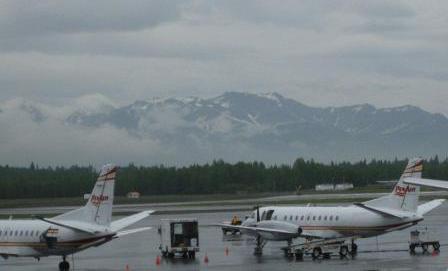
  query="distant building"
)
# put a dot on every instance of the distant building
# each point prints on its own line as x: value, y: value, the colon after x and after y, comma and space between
x: 332, y: 187
x: 343, y: 186
x: 133, y: 195
x: 324, y: 187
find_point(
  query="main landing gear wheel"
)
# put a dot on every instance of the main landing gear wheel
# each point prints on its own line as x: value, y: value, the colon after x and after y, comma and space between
x: 64, y: 265
x: 354, y: 249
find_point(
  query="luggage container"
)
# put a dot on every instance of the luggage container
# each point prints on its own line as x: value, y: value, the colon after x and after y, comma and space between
x: 179, y: 237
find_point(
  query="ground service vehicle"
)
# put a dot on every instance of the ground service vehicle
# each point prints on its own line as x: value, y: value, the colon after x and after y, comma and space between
x: 179, y: 237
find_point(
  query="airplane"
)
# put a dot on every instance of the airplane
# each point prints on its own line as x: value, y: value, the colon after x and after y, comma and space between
x: 71, y: 232
x: 395, y: 211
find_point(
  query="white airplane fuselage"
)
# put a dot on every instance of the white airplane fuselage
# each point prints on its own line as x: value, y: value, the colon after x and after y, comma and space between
x: 327, y: 222
x: 24, y: 238
x: 70, y: 232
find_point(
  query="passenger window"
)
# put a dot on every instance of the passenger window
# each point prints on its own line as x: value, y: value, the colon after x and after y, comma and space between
x: 314, y: 217
x: 21, y: 233
x: 320, y: 217
x: 26, y: 233
x: 336, y: 218
x: 308, y: 218
x: 10, y: 233
x: 297, y: 217
x: 16, y: 232
x: 285, y: 218
x: 31, y: 233
x: 331, y: 218
x: 325, y: 218
x: 302, y: 217
x: 275, y: 217
x: 290, y: 217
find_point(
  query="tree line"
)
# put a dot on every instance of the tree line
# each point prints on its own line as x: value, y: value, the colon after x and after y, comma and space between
x: 215, y: 177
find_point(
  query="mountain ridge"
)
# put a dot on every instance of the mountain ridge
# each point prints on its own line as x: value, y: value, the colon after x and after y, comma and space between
x: 269, y: 127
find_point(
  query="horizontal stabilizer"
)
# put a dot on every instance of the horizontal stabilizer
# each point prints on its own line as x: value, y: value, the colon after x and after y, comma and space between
x: 123, y: 233
x: 129, y: 220
x: 76, y: 225
x: 386, y: 211
x: 427, y: 182
x: 427, y: 207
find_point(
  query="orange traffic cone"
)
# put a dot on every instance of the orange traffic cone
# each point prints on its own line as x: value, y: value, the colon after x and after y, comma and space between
x: 158, y: 261
x: 206, y: 258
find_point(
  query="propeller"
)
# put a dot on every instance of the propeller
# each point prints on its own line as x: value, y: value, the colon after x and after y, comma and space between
x: 258, y: 213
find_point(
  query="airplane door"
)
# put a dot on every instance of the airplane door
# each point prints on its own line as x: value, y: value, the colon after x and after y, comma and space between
x: 5, y: 235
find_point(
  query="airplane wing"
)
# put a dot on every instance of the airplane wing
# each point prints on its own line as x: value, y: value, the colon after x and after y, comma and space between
x: 123, y: 233
x: 255, y: 229
x: 269, y: 232
x: 129, y: 220
x: 427, y: 207
x: 427, y: 182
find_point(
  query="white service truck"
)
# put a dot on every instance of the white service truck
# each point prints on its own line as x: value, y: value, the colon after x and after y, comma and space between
x: 179, y: 237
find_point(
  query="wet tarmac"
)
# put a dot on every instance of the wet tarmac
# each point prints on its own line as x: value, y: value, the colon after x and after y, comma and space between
x: 233, y: 205
x: 139, y: 251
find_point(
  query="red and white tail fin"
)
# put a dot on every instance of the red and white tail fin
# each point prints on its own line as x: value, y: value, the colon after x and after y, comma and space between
x: 98, y: 209
x: 404, y: 197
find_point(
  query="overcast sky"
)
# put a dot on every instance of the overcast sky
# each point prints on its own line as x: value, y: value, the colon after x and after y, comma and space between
x: 64, y: 54
x: 319, y: 52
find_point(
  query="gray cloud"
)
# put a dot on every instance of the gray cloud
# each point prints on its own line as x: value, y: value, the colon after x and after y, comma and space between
x: 36, y: 18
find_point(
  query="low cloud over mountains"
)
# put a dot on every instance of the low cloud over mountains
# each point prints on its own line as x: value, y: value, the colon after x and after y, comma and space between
x: 233, y: 126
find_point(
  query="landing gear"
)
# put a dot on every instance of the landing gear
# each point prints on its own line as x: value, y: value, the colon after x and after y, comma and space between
x: 354, y: 249
x: 258, y: 251
x: 64, y: 265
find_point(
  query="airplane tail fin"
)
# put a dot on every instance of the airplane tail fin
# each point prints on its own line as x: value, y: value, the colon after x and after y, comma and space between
x: 404, y: 197
x: 98, y: 209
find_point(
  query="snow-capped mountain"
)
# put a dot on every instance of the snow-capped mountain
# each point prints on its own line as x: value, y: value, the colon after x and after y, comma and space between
x: 268, y: 127
x: 272, y: 125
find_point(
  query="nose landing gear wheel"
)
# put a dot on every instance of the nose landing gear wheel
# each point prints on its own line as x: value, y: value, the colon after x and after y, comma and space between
x: 64, y: 266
